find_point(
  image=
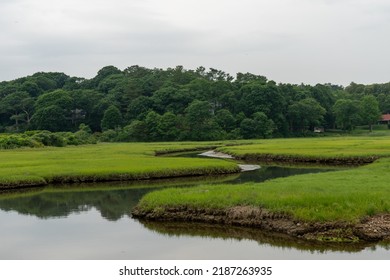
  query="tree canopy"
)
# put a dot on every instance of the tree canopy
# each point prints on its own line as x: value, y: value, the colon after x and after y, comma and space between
x: 141, y: 104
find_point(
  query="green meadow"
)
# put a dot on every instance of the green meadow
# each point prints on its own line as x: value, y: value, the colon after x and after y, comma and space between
x: 103, y: 162
x: 344, y: 195
x: 321, y: 147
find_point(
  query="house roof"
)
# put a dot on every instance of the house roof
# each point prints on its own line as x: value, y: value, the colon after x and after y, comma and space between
x: 385, y: 117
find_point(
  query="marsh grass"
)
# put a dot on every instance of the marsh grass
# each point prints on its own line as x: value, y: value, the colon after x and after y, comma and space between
x: 325, y: 147
x: 102, y: 162
x: 344, y: 195
x: 116, y: 185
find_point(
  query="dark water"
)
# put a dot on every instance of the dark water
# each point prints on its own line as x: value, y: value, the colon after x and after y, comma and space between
x: 94, y: 222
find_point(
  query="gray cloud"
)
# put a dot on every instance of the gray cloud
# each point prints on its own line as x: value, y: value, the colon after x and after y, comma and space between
x: 286, y: 40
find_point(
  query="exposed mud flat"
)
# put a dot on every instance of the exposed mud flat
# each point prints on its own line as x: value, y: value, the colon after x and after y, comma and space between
x: 370, y: 229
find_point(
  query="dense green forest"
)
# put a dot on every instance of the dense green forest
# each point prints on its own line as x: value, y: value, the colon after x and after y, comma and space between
x: 141, y: 104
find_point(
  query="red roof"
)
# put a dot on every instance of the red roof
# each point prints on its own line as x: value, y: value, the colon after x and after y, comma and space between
x: 385, y: 117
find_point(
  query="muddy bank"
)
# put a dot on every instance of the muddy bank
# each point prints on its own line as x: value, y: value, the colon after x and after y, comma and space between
x: 370, y: 229
x: 268, y: 158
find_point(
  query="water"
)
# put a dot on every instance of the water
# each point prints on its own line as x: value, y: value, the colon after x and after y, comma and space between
x: 94, y: 222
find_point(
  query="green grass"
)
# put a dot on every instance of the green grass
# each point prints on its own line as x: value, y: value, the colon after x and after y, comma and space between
x: 332, y: 147
x: 116, y: 185
x: 346, y: 195
x: 102, y: 162
x: 342, y: 195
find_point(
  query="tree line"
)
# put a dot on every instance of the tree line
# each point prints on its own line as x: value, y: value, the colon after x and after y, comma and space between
x: 141, y: 104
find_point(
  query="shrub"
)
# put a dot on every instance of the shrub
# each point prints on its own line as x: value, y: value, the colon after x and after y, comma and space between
x: 16, y: 141
x: 83, y: 137
x: 109, y: 135
x: 40, y: 138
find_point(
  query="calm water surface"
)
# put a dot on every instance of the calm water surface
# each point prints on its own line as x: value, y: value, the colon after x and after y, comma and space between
x: 94, y: 222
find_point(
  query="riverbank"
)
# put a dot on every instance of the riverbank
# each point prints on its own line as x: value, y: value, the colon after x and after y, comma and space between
x: 104, y: 162
x: 330, y: 151
x: 342, y: 197
x: 345, y: 195
x: 375, y: 228
x: 347, y: 205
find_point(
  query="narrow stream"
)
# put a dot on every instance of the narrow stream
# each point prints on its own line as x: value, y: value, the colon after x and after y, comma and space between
x: 93, y: 221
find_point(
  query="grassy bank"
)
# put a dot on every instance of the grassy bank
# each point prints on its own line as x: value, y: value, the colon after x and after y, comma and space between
x: 325, y: 149
x: 347, y: 195
x: 343, y: 195
x: 102, y: 162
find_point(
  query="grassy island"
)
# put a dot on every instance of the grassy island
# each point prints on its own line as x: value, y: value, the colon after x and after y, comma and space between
x: 348, y: 205
x: 103, y: 162
x: 330, y: 150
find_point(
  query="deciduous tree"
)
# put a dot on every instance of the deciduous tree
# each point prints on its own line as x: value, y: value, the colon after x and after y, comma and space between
x: 112, y: 118
x: 370, y: 110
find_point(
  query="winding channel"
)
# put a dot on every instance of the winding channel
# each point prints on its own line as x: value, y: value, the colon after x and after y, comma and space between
x: 93, y: 221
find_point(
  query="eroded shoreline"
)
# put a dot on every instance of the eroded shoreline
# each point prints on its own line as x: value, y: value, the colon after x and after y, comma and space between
x: 370, y: 229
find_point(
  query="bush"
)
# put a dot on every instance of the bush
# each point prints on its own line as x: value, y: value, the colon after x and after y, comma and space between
x: 109, y: 135
x: 83, y: 137
x: 70, y: 138
x: 16, y: 141
x: 40, y: 138
x: 57, y: 140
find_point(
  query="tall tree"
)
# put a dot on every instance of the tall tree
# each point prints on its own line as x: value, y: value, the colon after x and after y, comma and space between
x: 50, y: 118
x: 384, y: 102
x: 370, y: 110
x: 305, y: 114
x: 266, y: 98
x: 152, y: 121
x: 60, y: 100
x: 225, y: 120
x: 347, y: 113
x: 169, y: 127
x: 264, y: 126
x: 105, y: 72
x: 18, y: 106
x: 112, y: 118
x: 259, y: 126
x: 198, y: 117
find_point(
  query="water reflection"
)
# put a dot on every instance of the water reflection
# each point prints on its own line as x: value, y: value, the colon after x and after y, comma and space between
x: 93, y: 221
x: 242, y: 233
x: 272, y: 172
x: 113, y: 201
x: 112, y: 204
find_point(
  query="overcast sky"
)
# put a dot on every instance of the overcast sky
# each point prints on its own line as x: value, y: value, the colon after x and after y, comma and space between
x: 294, y: 41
